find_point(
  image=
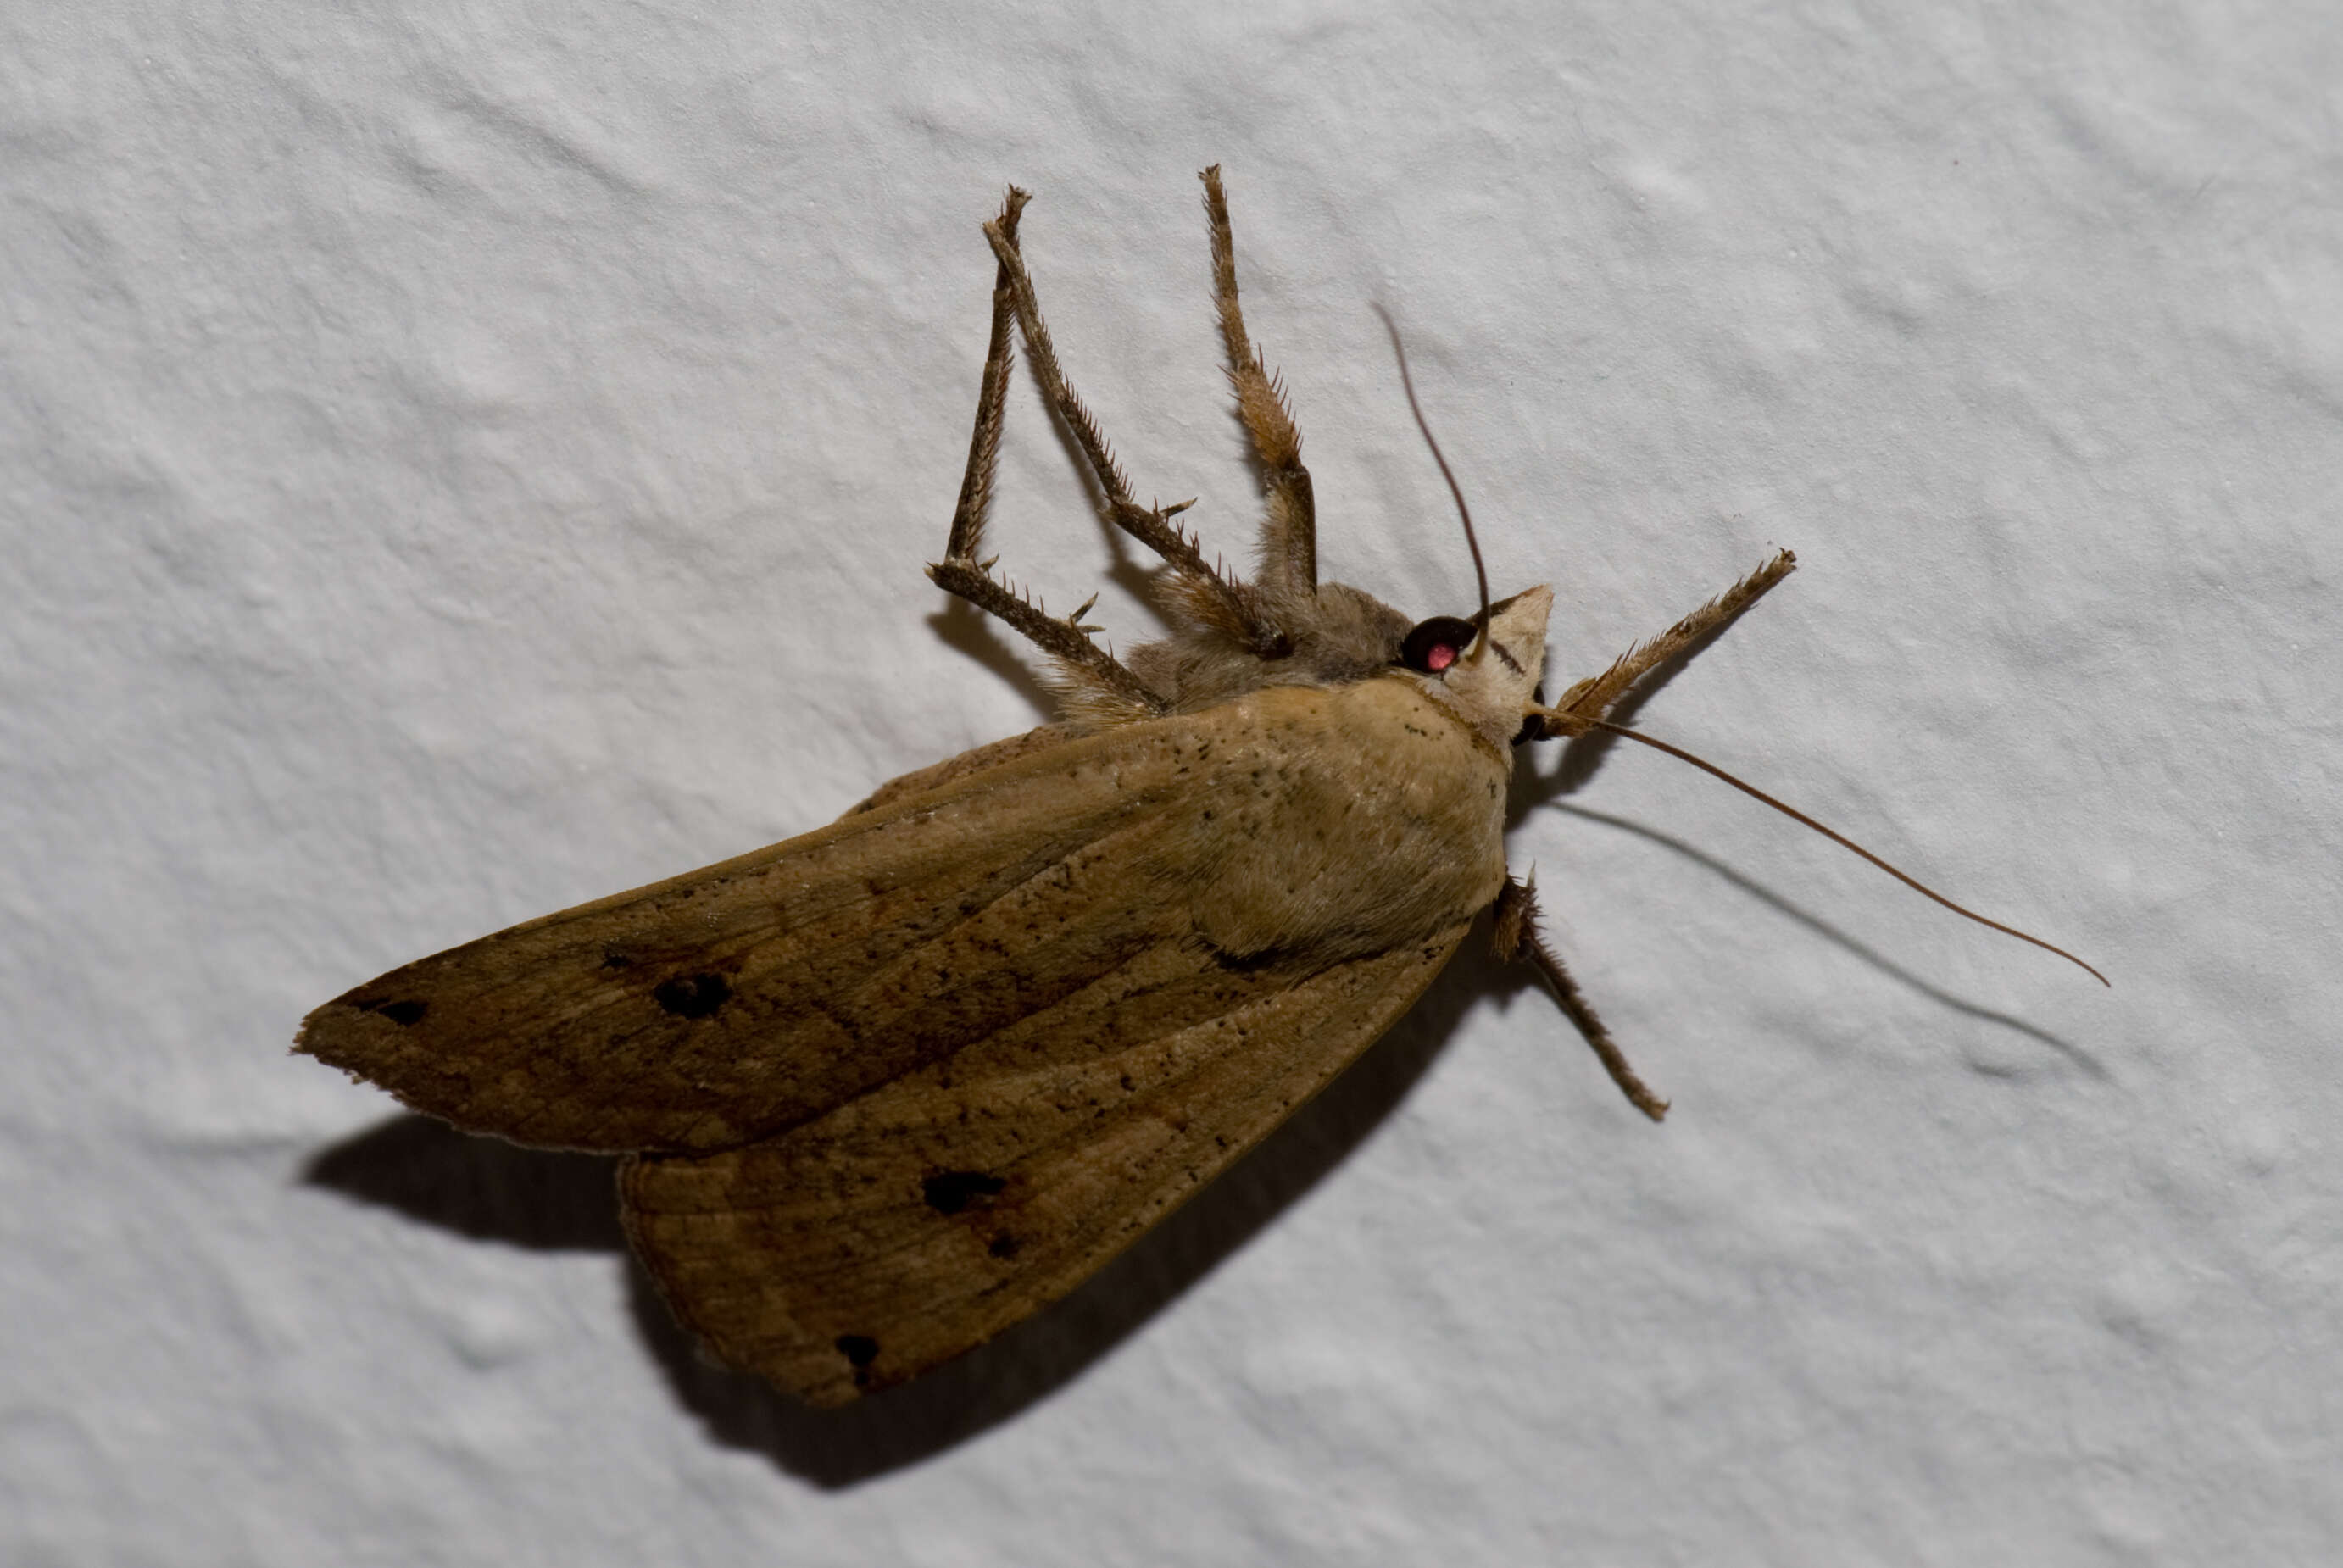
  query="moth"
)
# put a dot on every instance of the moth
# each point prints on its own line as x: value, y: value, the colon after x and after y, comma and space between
x: 888, y: 1088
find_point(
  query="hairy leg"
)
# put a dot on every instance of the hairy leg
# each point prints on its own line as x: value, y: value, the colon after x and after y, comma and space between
x: 1289, y: 527
x: 1094, y: 671
x: 1197, y: 587
x: 1517, y: 940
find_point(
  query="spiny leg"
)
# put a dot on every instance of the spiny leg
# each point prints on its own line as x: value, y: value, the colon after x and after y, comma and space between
x: 1595, y: 697
x: 1289, y: 529
x: 984, y: 442
x: 1001, y: 232
x: 962, y: 573
x: 1200, y: 590
x: 1517, y: 939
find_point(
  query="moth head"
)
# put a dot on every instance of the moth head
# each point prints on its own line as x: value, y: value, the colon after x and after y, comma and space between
x: 1489, y: 675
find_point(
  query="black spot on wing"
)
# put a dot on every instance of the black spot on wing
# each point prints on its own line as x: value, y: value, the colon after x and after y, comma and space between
x: 860, y: 1351
x: 949, y: 1192
x: 693, y: 995
x: 406, y: 1014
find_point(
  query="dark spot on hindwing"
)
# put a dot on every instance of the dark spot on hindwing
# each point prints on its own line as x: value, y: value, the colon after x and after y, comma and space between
x: 693, y: 995
x: 949, y: 1192
x: 612, y: 959
x: 860, y: 1351
x: 1004, y: 1246
x: 406, y: 1014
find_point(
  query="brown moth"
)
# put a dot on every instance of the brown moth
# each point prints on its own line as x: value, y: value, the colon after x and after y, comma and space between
x: 889, y: 1087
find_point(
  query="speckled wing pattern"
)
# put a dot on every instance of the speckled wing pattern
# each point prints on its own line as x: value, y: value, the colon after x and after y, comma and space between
x: 703, y: 1012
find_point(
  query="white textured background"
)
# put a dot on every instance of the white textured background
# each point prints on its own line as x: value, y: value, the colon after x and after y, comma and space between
x: 462, y: 459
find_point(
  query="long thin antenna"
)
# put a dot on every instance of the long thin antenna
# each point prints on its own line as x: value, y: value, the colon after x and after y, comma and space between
x: 1407, y: 385
x: 1835, y: 836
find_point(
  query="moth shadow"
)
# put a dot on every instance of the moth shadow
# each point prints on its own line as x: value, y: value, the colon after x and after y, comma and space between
x: 998, y: 1380
x: 480, y: 1187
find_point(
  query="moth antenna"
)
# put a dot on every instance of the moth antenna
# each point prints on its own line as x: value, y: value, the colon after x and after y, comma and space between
x: 1834, y: 836
x: 1471, y: 540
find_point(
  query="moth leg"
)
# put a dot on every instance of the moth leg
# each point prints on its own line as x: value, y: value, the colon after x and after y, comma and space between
x: 1197, y: 587
x: 963, y: 573
x: 1517, y: 940
x: 1289, y: 527
x: 1595, y: 697
x: 984, y: 443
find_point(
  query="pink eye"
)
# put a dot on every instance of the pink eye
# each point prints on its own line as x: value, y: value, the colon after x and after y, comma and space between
x: 1436, y: 644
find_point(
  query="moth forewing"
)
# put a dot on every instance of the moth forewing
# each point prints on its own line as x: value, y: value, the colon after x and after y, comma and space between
x: 725, y: 1003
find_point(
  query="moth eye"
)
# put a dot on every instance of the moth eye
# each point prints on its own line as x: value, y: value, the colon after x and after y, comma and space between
x: 1436, y: 644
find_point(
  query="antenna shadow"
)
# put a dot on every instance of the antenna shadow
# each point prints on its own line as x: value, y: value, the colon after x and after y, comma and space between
x: 1870, y: 955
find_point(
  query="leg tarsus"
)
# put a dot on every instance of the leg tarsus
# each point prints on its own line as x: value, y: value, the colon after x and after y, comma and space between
x: 1517, y: 940
x: 984, y: 441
